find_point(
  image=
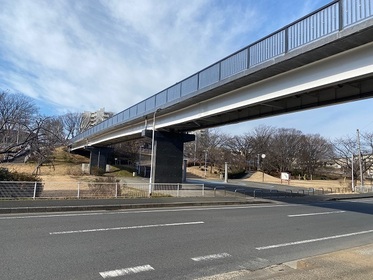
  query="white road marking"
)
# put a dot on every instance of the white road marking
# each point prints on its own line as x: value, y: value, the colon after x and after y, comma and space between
x: 211, y: 257
x: 154, y: 210
x: 314, y: 240
x: 125, y: 271
x: 315, y: 214
x: 124, y: 228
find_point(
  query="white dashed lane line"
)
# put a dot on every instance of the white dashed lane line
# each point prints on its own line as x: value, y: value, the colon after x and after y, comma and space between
x: 126, y: 271
x: 146, y: 268
x: 314, y: 240
x: 211, y: 257
x: 124, y: 228
x: 316, y: 214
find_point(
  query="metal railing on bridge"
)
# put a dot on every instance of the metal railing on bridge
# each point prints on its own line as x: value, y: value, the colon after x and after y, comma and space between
x: 334, y: 17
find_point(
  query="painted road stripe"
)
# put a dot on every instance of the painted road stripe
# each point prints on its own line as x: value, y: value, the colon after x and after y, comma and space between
x: 125, y: 271
x: 314, y: 240
x: 211, y: 257
x: 124, y: 228
x: 315, y: 214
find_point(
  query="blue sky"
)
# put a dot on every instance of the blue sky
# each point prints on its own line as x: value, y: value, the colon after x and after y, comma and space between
x: 77, y: 55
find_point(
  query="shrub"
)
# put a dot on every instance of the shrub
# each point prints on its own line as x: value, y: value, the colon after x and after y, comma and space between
x: 96, y: 171
x: 237, y: 174
x: 5, y: 175
x: 104, y: 187
x: 74, y: 171
x: 25, y: 187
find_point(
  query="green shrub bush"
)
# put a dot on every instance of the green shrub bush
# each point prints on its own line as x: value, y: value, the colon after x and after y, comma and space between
x: 19, y: 185
x: 6, y: 175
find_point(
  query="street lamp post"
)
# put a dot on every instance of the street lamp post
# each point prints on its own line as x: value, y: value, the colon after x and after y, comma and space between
x: 152, y: 156
x: 360, y: 161
x: 205, y: 162
x: 139, y: 166
x: 226, y: 172
x: 263, y: 157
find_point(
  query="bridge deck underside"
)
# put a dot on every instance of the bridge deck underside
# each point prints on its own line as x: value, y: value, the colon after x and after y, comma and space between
x: 319, y: 50
x: 344, y: 92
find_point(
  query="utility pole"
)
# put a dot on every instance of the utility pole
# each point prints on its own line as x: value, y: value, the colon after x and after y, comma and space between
x: 360, y: 163
x: 352, y: 174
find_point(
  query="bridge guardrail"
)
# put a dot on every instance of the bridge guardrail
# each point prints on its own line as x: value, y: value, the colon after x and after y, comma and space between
x: 336, y: 16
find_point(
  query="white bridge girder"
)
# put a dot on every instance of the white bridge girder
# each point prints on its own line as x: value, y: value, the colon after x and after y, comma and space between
x: 342, y: 77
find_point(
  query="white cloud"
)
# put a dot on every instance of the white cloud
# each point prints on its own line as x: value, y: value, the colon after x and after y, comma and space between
x: 90, y: 54
x: 76, y: 55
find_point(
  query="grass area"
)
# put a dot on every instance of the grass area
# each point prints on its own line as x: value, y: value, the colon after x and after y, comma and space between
x: 66, y: 167
x: 121, y: 171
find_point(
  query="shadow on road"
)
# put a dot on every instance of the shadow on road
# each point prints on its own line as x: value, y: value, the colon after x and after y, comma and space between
x: 291, y: 194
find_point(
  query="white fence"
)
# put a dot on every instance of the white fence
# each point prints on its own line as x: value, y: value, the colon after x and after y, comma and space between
x: 83, y: 190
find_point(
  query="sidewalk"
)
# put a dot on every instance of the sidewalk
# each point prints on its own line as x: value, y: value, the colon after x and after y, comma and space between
x: 62, y: 205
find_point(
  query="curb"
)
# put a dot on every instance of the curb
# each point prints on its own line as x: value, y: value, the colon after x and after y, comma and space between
x: 358, y: 196
x: 121, y: 206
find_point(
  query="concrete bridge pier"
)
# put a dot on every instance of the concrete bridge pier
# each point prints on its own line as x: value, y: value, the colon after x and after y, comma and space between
x: 98, y: 157
x: 168, y: 155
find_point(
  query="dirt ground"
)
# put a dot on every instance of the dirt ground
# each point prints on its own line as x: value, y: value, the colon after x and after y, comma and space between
x: 340, y: 185
x: 335, y: 185
x: 70, y: 174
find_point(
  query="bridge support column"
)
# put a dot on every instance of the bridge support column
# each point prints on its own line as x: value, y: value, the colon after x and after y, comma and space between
x: 98, y: 158
x: 168, y: 155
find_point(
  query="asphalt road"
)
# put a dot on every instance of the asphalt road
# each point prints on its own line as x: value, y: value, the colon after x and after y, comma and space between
x: 176, y: 243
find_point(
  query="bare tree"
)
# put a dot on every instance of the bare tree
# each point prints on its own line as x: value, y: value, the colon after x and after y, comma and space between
x: 285, y: 149
x: 72, y: 124
x: 242, y: 150
x: 210, y: 144
x: 314, y: 151
x: 346, y: 148
x: 48, y: 134
x: 17, y: 113
x: 261, y: 143
x: 134, y: 151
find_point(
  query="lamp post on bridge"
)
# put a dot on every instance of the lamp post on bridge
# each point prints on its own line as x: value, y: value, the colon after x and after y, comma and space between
x: 152, y: 156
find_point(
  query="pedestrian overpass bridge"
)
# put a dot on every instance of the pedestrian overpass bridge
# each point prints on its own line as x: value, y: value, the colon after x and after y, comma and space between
x: 321, y: 59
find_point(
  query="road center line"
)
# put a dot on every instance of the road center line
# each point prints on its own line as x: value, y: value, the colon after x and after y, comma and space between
x: 125, y: 271
x: 316, y: 214
x: 124, y: 228
x: 314, y: 240
x: 211, y: 257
